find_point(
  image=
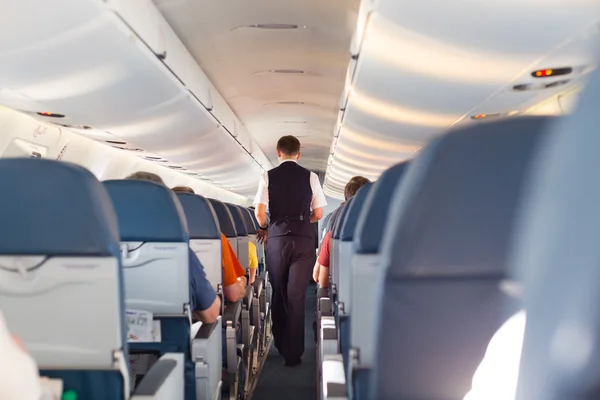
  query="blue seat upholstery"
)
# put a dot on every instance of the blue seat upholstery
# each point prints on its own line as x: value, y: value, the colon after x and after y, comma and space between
x: 226, y: 222
x: 205, y: 242
x: 205, y: 235
x: 444, y: 255
x: 335, y: 248
x: 346, y: 260
x: 367, y: 238
x: 58, y: 221
x: 248, y: 220
x: 157, y: 276
x: 228, y: 229
x: 557, y: 256
x: 242, y: 234
x: 374, y: 215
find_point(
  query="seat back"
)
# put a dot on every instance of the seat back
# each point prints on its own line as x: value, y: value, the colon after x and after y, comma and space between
x: 366, y: 261
x: 205, y: 235
x: 335, y: 249
x: 242, y: 234
x: 260, y: 249
x: 155, y: 246
x: 346, y: 248
x: 60, y: 274
x: 444, y: 257
x: 225, y: 222
x: 557, y: 256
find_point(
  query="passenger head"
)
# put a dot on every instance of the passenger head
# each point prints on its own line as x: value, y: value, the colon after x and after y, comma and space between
x: 288, y: 148
x: 146, y: 176
x: 183, y: 189
x: 353, y: 185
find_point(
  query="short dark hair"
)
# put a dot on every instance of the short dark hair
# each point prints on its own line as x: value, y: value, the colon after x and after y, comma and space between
x: 288, y: 145
x: 353, y: 185
x: 183, y: 189
x: 146, y: 176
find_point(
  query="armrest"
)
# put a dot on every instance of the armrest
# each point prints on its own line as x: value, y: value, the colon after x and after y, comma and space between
x: 328, y: 337
x: 164, y: 381
x: 207, y: 356
x: 232, y: 313
x: 248, y: 296
x: 333, y: 385
x: 258, y: 285
x: 206, y: 330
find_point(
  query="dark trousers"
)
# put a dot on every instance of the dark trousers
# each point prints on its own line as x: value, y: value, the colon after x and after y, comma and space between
x: 289, y: 262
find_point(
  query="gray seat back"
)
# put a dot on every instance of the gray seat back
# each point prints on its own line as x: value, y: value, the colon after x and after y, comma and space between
x: 367, y: 240
x: 444, y: 258
x: 60, y: 273
x: 347, y: 249
x: 205, y: 235
x: 557, y: 257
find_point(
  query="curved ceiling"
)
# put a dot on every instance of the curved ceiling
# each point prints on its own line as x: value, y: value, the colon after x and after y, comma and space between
x: 424, y: 66
x: 277, y: 81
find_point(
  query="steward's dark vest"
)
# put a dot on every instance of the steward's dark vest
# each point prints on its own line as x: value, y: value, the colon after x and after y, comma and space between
x: 290, y: 196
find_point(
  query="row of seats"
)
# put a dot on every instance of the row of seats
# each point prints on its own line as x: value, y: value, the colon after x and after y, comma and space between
x: 421, y: 274
x: 85, y: 263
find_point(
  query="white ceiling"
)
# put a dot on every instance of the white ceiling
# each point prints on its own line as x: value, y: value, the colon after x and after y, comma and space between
x: 237, y: 59
x: 424, y: 66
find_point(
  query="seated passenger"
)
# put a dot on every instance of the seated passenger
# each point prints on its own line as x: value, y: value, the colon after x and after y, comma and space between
x: 183, y: 189
x: 321, y: 268
x: 497, y: 376
x: 19, y: 372
x: 234, y: 279
x: 252, y: 261
x: 205, y: 304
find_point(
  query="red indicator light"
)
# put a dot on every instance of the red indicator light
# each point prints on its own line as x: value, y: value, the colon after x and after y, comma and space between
x: 50, y: 114
x: 544, y: 73
x: 479, y: 116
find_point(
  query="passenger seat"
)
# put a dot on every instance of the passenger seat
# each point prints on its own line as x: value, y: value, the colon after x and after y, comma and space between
x: 61, y: 285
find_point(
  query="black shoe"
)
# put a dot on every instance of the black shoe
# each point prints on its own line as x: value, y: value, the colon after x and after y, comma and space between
x: 294, y: 363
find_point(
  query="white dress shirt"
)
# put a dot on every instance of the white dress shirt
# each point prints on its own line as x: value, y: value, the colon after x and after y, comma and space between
x: 318, y: 197
x: 497, y: 376
x: 19, y: 378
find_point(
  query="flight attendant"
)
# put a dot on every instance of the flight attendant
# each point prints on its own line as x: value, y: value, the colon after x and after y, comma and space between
x: 291, y: 192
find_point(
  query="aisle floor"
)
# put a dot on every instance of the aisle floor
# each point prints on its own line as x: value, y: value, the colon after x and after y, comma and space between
x: 297, y: 383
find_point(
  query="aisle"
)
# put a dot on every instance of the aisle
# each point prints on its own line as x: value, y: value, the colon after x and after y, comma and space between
x: 298, y: 383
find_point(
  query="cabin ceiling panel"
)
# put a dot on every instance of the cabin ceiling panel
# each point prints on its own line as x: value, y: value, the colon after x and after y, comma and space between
x: 238, y: 60
x: 81, y: 61
x: 424, y: 66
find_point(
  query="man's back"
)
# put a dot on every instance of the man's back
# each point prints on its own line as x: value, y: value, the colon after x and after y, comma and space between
x: 290, y: 196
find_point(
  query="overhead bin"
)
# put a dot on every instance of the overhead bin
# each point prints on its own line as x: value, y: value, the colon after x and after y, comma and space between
x: 417, y: 73
x: 117, y: 66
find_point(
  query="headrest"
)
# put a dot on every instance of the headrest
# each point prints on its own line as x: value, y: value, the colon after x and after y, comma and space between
x: 557, y: 256
x: 250, y: 227
x: 238, y: 219
x: 375, y: 211
x: 54, y: 208
x: 147, y: 211
x: 452, y: 213
x: 201, y: 219
x: 251, y: 210
x: 349, y: 227
x: 339, y: 222
x: 225, y: 218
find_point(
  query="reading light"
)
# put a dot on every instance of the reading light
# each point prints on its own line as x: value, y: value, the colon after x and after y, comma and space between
x: 544, y: 73
x: 50, y: 115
